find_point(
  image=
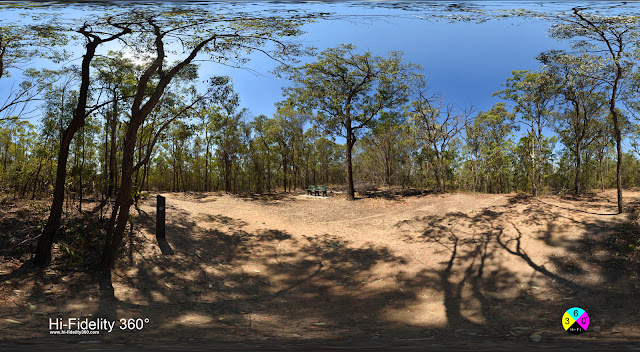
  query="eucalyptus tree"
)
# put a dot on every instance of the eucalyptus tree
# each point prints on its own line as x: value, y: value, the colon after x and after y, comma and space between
x: 327, y: 155
x: 437, y: 126
x: 227, y: 127
x: 257, y: 153
x: 285, y: 128
x: 20, y: 45
x: 604, y: 146
x: 491, y: 132
x: 346, y: 92
x: 95, y: 34
x: 17, y: 137
x: 582, y: 120
x: 178, y: 137
x: 472, y: 152
x: 307, y: 152
x: 382, y: 148
x: 263, y: 147
x: 116, y: 75
x: 154, y: 33
x: 221, y: 37
x: 219, y: 94
x: 614, y: 39
x: 534, y: 95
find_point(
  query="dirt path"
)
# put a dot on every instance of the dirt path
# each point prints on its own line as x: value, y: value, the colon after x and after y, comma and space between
x: 457, y: 267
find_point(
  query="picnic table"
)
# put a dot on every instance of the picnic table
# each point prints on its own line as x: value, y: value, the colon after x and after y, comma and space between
x: 315, y: 190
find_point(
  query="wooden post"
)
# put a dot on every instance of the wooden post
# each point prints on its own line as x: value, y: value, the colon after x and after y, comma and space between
x: 160, y: 209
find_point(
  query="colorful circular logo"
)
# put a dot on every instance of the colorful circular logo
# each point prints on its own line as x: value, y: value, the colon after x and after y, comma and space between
x: 575, y: 320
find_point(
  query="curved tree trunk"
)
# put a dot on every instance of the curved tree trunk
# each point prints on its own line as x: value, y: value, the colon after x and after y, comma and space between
x: 43, y: 250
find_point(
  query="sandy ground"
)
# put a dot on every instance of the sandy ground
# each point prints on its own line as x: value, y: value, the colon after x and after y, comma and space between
x: 468, y: 271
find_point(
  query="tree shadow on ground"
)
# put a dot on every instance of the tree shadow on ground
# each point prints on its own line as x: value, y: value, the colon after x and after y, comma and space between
x: 195, y: 197
x: 613, y: 213
x: 236, y: 285
x: 394, y: 194
x: 265, y: 198
x: 556, y: 282
x: 20, y: 224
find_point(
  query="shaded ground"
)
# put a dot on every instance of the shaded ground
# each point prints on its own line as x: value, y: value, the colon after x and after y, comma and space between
x: 406, y: 271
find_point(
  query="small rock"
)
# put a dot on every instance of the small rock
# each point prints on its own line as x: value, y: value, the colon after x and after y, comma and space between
x: 535, y: 337
x: 597, y: 328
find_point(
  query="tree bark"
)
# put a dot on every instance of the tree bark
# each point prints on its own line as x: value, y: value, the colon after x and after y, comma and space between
x: 112, y: 147
x: 576, y: 184
x: 618, y: 164
x: 539, y: 156
x: 139, y: 113
x: 349, y: 171
x: 43, y: 249
x: 616, y: 127
x: 123, y: 200
x: 284, y: 173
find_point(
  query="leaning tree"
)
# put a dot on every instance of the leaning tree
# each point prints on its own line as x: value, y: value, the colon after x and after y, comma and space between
x: 172, y: 40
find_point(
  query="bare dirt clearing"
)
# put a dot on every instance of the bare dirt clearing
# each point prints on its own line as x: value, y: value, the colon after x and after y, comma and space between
x: 463, y: 269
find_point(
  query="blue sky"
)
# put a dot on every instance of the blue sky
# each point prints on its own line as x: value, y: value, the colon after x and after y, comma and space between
x: 463, y: 61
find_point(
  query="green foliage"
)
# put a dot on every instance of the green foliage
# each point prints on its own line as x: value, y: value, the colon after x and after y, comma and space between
x: 347, y: 92
x: 344, y: 98
x: 491, y: 149
x: 344, y: 86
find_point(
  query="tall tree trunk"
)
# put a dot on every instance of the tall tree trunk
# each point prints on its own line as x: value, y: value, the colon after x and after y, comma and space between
x: 475, y: 175
x: 442, y: 184
x: 227, y: 172
x: 43, y: 249
x: 294, y: 167
x: 268, y: 173
x: 349, y: 172
x: 388, y: 166
x: 81, y: 171
x: 619, y: 165
x: 123, y: 199
x: 618, y: 133
x: 576, y: 187
x: 539, y: 156
x: 326, y: 171
x: 206, y: 160
x: 534, y: 166
x: 35, y: 180
x: 284, y: 173
x: 602, y: 172
x: 112, y: 147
